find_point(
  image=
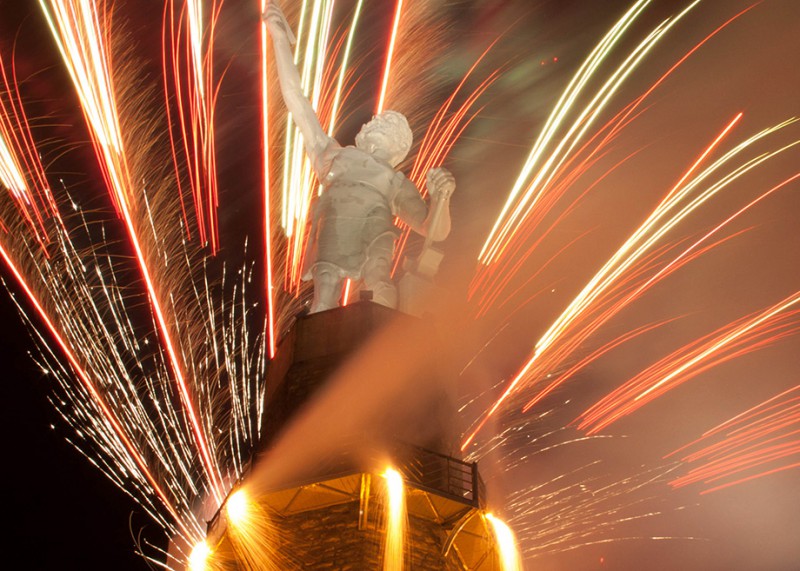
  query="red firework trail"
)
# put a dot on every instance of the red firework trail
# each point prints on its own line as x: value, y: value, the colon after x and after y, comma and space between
x: 189, y: 53
x: 734, y: 340
x: 21, y: 170
x: 491, y: 279
x: 619, y: 283
x: 764, y: 435
x: 101, y: 403
x: 78, y: 31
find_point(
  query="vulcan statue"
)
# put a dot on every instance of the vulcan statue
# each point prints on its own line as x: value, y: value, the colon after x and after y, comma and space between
x: 352, y: 232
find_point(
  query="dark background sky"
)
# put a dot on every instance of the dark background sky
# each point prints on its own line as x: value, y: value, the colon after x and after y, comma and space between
x: 67, y: 515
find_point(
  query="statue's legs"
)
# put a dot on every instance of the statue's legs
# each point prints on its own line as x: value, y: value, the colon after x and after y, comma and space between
x: 327, y: 286
x: 378, y: 270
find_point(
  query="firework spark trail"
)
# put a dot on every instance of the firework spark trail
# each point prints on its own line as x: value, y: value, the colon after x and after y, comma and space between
x: 496, y: 282
x: 520, y: 438
x: 112, y: 428
x: 580, y: 506
x: 299, y: 184
x: 573, y: 509
x: 441, y: 136
x: 89, y: 385
x: 269, y: 256
x: 343, y: 69
x: 337, y: 100
x: 221, y: 353
x: 595, y: 304
x: 21, y: 170
x: 192, y: 83
x: 77, y: 30
x: 739, y: 338
x: 11, y: 171
x: 16, y: 125
x: 658, y: 223
x: 686, y: 256
x: 493, y: 277
x: 122, y: 409
x: 520, y: 201
x: 760, y: 435
x: 387, y: 67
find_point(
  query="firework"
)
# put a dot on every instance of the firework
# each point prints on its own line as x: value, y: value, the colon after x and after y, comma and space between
x: 157, y: 338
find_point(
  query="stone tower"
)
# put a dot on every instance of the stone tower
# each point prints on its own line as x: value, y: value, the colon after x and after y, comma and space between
x: 331, y: 514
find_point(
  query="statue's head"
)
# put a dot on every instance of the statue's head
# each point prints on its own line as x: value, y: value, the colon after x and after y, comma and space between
x: 386, y: 136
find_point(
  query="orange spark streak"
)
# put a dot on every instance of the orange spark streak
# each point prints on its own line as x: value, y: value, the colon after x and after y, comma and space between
x: 753, y: 477
x: 389, y: 55
x: 440, y: 138
x: 87, y: 382
x: 78, y: 35
x: 21, y: 169
x: 195, y: 99
x: 348, y: 283
x: 750, y: 439
x: 270, y: 293
x: 536, y: 212
x: 586, y: 312
x: 733, y: 340
x: 676, y: 263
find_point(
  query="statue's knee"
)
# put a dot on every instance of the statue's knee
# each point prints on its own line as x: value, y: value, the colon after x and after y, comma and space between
x: 377, y: 270
x: 384, y: 293
x: 325, y: 276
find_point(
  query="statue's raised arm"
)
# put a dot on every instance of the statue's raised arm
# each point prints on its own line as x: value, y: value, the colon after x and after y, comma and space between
x: 314, y: 136
x: 353, y: 232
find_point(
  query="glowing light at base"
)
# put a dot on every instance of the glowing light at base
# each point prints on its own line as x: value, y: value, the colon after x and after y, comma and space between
x: 198, y: 560
x: 506, y: 544
x: 395, y: 521
x: 236, y: 507
x: 251, y: 533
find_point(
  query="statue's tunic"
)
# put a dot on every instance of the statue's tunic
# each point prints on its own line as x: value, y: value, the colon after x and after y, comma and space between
x: 353, y: 217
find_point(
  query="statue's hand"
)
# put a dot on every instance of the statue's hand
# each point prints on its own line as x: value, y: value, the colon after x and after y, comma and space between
x: 276, y: 22
x: 441, y: 183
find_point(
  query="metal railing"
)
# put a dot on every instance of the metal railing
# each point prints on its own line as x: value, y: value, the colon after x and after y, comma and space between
x: 441, y: 474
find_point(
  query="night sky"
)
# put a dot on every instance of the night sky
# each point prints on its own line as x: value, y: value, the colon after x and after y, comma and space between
x: 66, y: 515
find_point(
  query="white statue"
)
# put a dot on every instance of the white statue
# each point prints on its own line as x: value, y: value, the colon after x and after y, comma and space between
x: 353, y: 233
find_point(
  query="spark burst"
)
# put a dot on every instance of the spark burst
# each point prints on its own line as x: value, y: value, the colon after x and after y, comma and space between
x: 168, y: 400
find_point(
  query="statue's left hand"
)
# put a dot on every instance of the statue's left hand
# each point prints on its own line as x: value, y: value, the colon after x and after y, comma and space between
x: 441, y: 183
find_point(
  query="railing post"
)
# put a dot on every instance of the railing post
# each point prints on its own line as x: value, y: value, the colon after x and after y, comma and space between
x: 475, y: 484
